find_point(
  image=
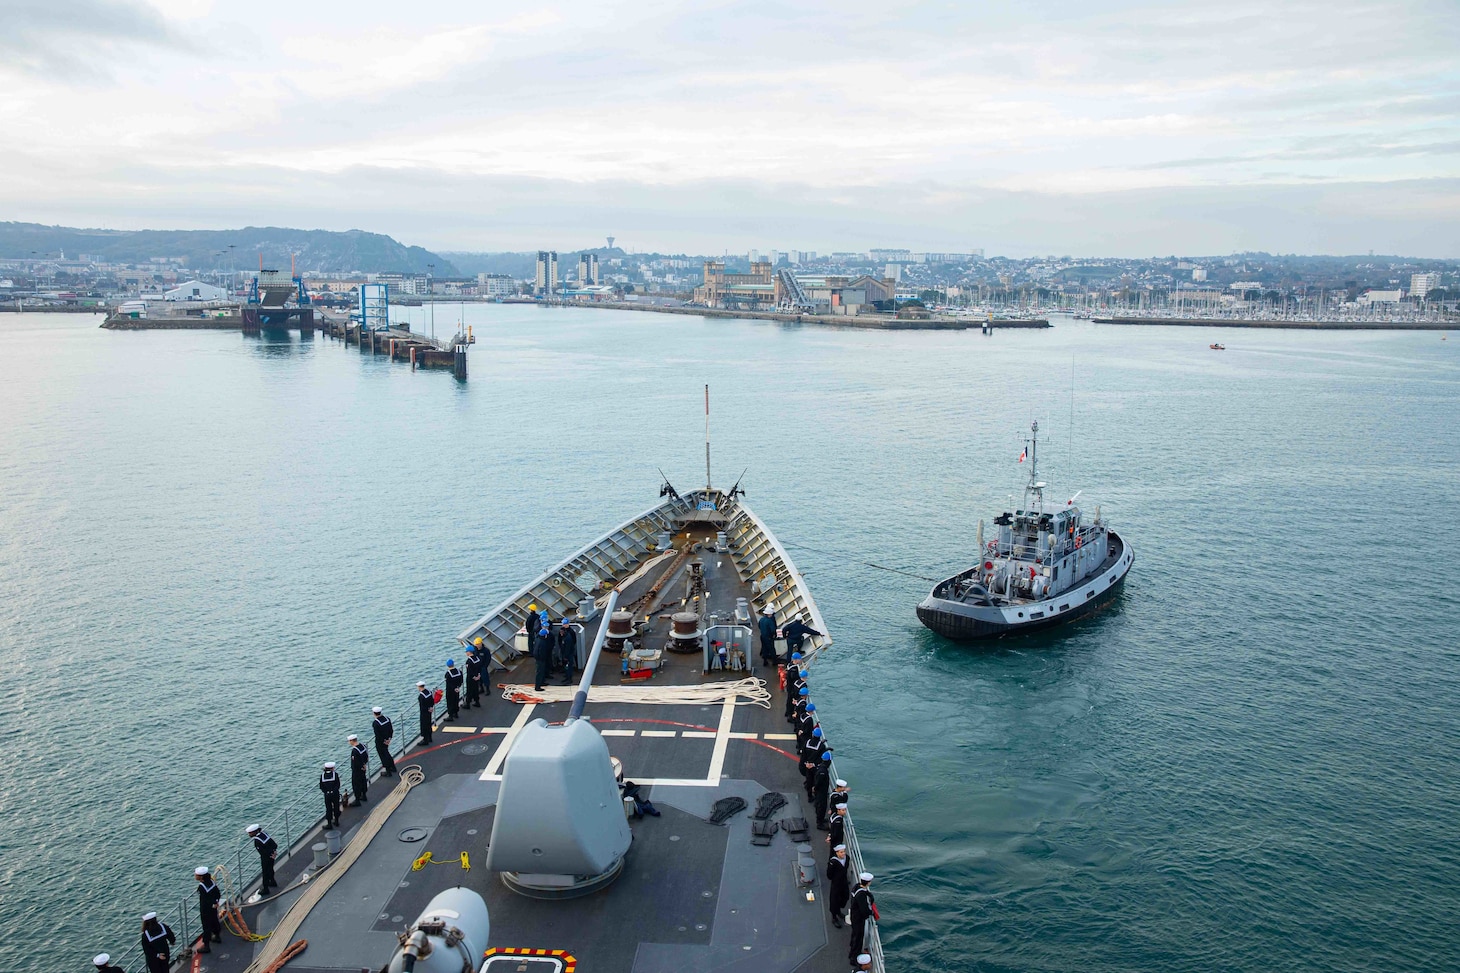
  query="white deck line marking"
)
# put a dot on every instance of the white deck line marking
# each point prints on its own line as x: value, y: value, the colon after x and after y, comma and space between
x: 699, y: 734
x: 676, y: 781
x: 722, y: 741
x: 497, y: 758
x: 745, y: 736
x: 617, y: 733
x: 780, y: 736
x: 459, y: 729
x: 658, y: 733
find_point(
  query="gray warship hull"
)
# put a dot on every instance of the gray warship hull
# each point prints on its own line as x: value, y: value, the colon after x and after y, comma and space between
x: 956, y: 619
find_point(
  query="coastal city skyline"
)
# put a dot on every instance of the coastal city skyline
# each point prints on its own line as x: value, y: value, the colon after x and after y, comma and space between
x: 1129, y: 130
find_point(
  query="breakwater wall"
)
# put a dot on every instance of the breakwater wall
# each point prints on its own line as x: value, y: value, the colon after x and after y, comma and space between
x: 873, y: 322
x: 1291, y: 325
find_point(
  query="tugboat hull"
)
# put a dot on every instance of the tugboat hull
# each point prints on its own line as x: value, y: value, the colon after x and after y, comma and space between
x: 969, y: 623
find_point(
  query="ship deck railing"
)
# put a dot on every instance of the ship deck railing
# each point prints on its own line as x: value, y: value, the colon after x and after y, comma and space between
x: 293, y: 827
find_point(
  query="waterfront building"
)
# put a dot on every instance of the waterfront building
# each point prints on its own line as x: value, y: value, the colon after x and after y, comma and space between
x: 840, y: 294
x: 195, y: 290
x: 1381, y: 297
x: 757, y: 288
x: 496, y: 285
x: 1422, y: 284
x: 546, y: 281
x: 588, y: 270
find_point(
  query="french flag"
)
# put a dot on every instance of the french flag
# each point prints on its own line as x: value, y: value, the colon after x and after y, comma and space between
x: 1024, y: 455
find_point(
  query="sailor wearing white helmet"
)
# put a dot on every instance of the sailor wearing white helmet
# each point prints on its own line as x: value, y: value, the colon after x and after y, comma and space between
x: 103, y: 964
x: 208, y: 895
x: 863, y: 961
x: 157, y: 941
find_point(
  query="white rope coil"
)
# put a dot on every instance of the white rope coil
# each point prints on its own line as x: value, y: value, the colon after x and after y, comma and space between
x: 745, y: 692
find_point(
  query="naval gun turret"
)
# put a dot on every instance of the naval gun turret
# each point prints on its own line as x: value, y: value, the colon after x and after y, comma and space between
x: 559, y: 830
x: 450, y: 936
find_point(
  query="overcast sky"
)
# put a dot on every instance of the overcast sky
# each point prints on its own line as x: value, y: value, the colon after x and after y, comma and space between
x: 1023, y: 128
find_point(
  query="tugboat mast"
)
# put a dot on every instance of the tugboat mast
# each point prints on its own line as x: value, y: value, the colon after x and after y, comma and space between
x: 1035, y: 485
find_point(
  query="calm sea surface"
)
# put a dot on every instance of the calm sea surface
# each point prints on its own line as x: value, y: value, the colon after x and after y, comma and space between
x: 217, y: 552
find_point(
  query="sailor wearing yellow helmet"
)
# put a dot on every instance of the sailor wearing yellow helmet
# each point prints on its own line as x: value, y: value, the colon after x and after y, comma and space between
x: 474, y: 673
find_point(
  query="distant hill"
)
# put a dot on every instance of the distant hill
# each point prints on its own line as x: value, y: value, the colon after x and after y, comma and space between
x: 317, y: 250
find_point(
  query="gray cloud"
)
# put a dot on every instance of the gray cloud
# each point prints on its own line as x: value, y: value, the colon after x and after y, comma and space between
x: 426, y: 207
x: 71, y: 39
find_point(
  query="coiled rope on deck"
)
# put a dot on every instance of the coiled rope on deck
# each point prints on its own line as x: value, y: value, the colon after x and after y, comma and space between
x: 749, y: 691
x: 276, y: 954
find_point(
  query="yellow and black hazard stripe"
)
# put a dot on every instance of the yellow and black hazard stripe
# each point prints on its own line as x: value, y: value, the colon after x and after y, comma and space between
x: 569, y: 961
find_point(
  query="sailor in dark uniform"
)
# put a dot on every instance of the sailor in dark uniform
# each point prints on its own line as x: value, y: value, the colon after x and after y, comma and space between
x: 864, y: 907
x: 863, y: 963
x: 329, y: 785
x: 840, y: 793
x: 267, y: 848
x: 793, y: 682
x: 805, y: 725
x: 359, y: 769
x: 454, y: 680
x: 820, y: 788
x: 474, y: 675
x: 103, y: 964
x: 838, y: 888
x: 426, y: 703
x: 795, y: 633
x: 767, y: 625
x: 838, y: 826
x: 568, y: 651
x: 802, y: 698
x: 157, y: 941
x: 542, y: 654
x: 208, y: 895
x: 384, y: 733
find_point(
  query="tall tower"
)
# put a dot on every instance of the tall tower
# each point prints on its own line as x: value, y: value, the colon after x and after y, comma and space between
x: 546, y: 281
x: 588, y: 269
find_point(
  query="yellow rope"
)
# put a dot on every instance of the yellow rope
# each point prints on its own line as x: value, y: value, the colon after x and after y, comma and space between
x: 426, y: 859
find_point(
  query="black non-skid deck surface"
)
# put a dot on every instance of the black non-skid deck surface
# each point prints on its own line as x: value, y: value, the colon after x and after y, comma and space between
x: 692, y: 896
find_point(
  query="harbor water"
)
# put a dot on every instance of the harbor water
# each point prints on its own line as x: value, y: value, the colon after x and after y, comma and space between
x: 217, y: 552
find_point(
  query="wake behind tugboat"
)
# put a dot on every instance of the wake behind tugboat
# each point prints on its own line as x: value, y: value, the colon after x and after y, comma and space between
x: 1044, y: 568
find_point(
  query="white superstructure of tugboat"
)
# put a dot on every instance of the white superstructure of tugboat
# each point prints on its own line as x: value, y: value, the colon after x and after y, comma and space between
x: 1044, y: 567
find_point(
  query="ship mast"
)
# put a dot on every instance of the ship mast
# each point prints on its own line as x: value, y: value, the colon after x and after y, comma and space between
x: 1035, y: 485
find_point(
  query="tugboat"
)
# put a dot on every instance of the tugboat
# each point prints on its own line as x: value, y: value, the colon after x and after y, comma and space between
x: 1043, y: 568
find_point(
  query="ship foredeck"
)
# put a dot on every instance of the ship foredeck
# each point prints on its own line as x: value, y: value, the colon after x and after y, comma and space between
x: 693, y: 895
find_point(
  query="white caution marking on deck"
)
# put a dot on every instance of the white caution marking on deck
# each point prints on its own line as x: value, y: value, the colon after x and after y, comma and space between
x: 659, y: 733
x: 780, y: 736
x: 745, y: 736
x: 459, y: 729
x: 722, y: 741
x: 494, y: 767
x: 699, y: 734
x: 617, y: 733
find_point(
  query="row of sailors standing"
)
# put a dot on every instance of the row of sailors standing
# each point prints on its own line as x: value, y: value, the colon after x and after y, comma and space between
x: 825, y: 795
x: 158, y: 938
